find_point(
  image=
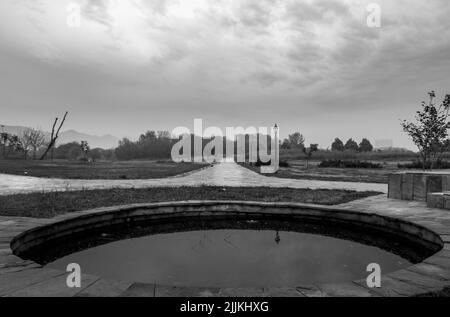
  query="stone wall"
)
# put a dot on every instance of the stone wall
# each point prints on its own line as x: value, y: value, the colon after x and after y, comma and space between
x: 417, y: 186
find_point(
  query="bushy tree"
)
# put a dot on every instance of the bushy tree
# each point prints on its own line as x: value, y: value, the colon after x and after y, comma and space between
x: 150, y: 145
x: 351, y: 145
x: 309, y: 152
x: 68, y: 151
x: 337, y: 145
x: 84, y: 146
x: 10, y: 143
x: 429, y: 132
x: 296, y: 140
x: 33, y: 140
x: 365, y: 146
x: 285, y: 144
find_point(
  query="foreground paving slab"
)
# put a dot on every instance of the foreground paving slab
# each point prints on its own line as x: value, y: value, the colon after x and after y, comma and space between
x: 15, y: 281
x: 395, y: 288
x: 19, y: 277
x: 54, y: 287
x: 105, y: 288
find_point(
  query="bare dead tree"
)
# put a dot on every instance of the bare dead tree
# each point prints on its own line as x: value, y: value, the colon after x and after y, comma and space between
x: 54, y: 136
x: 25, y: 139
x: 32, y: 139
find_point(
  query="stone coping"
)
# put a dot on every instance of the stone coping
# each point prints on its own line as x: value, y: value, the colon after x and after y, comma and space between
x: 20, y: 277
x: 432, y: 172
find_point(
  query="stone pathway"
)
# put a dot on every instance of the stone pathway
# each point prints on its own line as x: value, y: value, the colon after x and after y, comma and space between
x: 222, y: 174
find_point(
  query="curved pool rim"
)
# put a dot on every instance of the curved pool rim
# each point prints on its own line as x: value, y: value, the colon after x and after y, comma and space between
x: 72, y: 224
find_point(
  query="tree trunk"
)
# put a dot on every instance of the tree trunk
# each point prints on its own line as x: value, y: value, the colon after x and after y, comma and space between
x: 424, y: 162
x: 54, y: 136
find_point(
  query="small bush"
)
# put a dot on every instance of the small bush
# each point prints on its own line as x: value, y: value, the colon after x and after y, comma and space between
x: 419, y: 165
x: 349, y: 164
x: 282, y: 163
x: 259, y: 163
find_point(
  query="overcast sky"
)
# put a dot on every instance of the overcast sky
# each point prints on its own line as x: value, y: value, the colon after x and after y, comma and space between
x: 309, y: 65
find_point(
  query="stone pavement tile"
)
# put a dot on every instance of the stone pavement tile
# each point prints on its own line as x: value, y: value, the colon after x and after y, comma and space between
x: 139, y: 290
x: 346, y: 290
x: 430, y: 270
x: 311, y: 291
x: 5, y: 249
x: 282, y: 292
x: 105, y: 288
x: 241, y: 292
x: 15, y: 281
x: 25, y: 265
x: 54, y: 287
x: 429, y: 282
x: 9, y: 260
x: 439, y: 260
x: 444, y: 253
x: 171, y: 291
x: 394, y: 288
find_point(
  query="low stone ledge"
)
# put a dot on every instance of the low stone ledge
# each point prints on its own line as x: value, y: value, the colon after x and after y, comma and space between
x: 417, y: 185
x: 229, y: 209
x: 439, y: 200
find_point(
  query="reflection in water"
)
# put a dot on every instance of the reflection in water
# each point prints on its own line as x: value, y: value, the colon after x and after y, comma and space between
x: 277, y: 237
x: 233, y: 258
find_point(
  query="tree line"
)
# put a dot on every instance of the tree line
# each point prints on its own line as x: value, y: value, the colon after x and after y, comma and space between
x: 31, y: 140
x: 297, y: 141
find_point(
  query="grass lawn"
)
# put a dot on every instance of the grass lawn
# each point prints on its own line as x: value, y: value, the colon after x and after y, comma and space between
x: 97, y: 170
x: 47, y: 205
x: 298, y: 170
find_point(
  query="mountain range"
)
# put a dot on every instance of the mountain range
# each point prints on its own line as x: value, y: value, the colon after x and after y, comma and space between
x: 105, y: 141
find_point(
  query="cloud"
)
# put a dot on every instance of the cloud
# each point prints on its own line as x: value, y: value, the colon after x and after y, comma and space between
x: 216, y: 57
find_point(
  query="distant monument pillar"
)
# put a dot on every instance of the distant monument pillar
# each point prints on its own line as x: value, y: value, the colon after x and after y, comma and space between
x: 276, y: 148
x: 274, y: 153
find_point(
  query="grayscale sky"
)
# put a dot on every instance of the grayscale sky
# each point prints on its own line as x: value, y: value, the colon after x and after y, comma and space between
x: 309, y: 65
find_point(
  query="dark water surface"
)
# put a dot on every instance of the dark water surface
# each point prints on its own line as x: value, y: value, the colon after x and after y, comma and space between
x: 242, y: 256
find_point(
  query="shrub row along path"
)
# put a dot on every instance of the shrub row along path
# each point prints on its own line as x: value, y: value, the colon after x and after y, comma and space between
x: 222, y: 174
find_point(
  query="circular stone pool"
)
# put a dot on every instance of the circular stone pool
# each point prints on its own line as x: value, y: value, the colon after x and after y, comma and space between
x: 268, y: 251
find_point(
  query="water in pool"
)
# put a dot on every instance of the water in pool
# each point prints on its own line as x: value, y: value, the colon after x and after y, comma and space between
x: 233, y: 258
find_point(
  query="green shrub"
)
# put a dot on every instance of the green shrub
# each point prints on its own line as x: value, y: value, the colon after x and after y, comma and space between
x: 419, y: 165
x: 349, y: 164
x: 282, y: 163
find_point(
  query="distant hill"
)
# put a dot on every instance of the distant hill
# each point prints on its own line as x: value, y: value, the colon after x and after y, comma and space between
x: 104, y: 141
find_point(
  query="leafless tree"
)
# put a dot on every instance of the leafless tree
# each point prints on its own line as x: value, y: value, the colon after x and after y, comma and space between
x: 32, y: 139
x: 54, y: 136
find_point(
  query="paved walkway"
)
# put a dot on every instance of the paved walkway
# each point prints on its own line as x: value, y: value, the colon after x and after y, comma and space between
x: 223, y: 174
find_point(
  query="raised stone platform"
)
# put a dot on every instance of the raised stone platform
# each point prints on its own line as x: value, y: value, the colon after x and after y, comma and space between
x: 20, y: 277
x: 417, y: 185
